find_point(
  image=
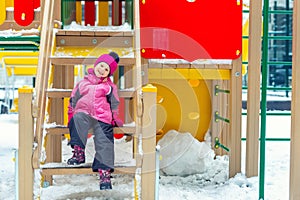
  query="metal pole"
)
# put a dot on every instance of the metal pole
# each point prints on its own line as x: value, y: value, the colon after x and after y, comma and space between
x: 157, y: 172
x: 264, y: 99
x: 287, y: 47
x: 16, y: 159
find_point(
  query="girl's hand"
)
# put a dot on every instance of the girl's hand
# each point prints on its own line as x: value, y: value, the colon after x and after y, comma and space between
x: 102, y: 80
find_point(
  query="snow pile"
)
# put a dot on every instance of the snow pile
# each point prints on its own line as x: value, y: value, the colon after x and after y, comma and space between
x: 23, y: 32
x: 183, y: 155
x: 77, y: 27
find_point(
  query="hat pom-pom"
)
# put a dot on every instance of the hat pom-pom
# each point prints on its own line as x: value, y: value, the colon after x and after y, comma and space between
x: 115, y: 56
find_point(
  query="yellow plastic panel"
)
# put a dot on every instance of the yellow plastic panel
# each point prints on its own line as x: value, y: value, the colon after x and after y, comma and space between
x: 89, y: 51
x: 20, y: 60
x: 4, y: 54
x: 149, y: 88
x: 103, y: 13
x: 183, y: 107
x: 9, y: 3
x: 25, y: 89
x: 78, y: 12
x: 66, y: 103
x: 2, y: 12
x: 21, y: 71
x: 207, y: 74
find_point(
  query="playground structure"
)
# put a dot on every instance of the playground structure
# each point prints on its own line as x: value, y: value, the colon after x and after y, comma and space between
x: 219, y: 110
x: 19, y: 53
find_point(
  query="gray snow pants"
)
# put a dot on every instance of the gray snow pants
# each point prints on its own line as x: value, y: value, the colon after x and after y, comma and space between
x: 79, y: 126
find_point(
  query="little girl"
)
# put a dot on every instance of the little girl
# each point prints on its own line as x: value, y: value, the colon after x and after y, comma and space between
x: 94, y: 105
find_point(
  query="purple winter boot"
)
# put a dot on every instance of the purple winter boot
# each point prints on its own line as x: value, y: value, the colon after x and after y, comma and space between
x: 105, y: 182
x: 78, y: 156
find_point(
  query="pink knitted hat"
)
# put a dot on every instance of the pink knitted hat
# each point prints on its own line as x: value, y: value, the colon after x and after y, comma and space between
x: 112, y: 59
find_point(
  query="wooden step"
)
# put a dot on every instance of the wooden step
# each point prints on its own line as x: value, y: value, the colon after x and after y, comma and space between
x: 126, y: 93
x: 99, y: 32
x: 66, y: 93
x: 49, y: 169
x: 61, y: 129
x: 58, y: 93
x: 72, y: 60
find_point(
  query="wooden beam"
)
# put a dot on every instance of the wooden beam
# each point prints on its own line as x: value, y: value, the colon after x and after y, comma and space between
x: 59, y: 130
x: 295, y: 108
x: 70, y: 60
x: 235, y: 116
x: 26, y: 131
x: 64, y: 169
x: 95, y: 41
x: 10, y: 24
x: 103, y: 33
x: 50, y: 169
x: 42, y: 75
x: 59, y: 93
x: 149, y: 142
x: 253, y: 95
x: 142, y: 193
x: 64, y: 93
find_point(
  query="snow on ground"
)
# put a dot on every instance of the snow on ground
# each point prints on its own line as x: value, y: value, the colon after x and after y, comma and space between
x: 8, y: 142
x: 208, y: 185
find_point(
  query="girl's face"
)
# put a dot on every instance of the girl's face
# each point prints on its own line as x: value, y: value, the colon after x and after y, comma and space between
x: 102, y: 70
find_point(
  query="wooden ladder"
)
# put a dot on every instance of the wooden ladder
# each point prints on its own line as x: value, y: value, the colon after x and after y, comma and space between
x: 139, y: 101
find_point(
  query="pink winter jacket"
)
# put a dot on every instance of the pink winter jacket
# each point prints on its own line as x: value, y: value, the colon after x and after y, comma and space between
x: 95, y: 98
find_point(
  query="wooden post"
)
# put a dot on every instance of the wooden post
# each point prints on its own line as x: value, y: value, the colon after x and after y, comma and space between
x: 25, y: 169
x: 57, y: 12
x: 235, y: 114
x: 149, y: 142
x: 137, y: 82
x: 295, y: 108
x: 253, y: 96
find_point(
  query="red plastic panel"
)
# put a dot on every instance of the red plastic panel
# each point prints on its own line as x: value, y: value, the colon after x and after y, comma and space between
x: 121, y: 116
x: 36, y: 3
x: 191, y: 29
x: 23, y: 12
x: 90, y: 13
